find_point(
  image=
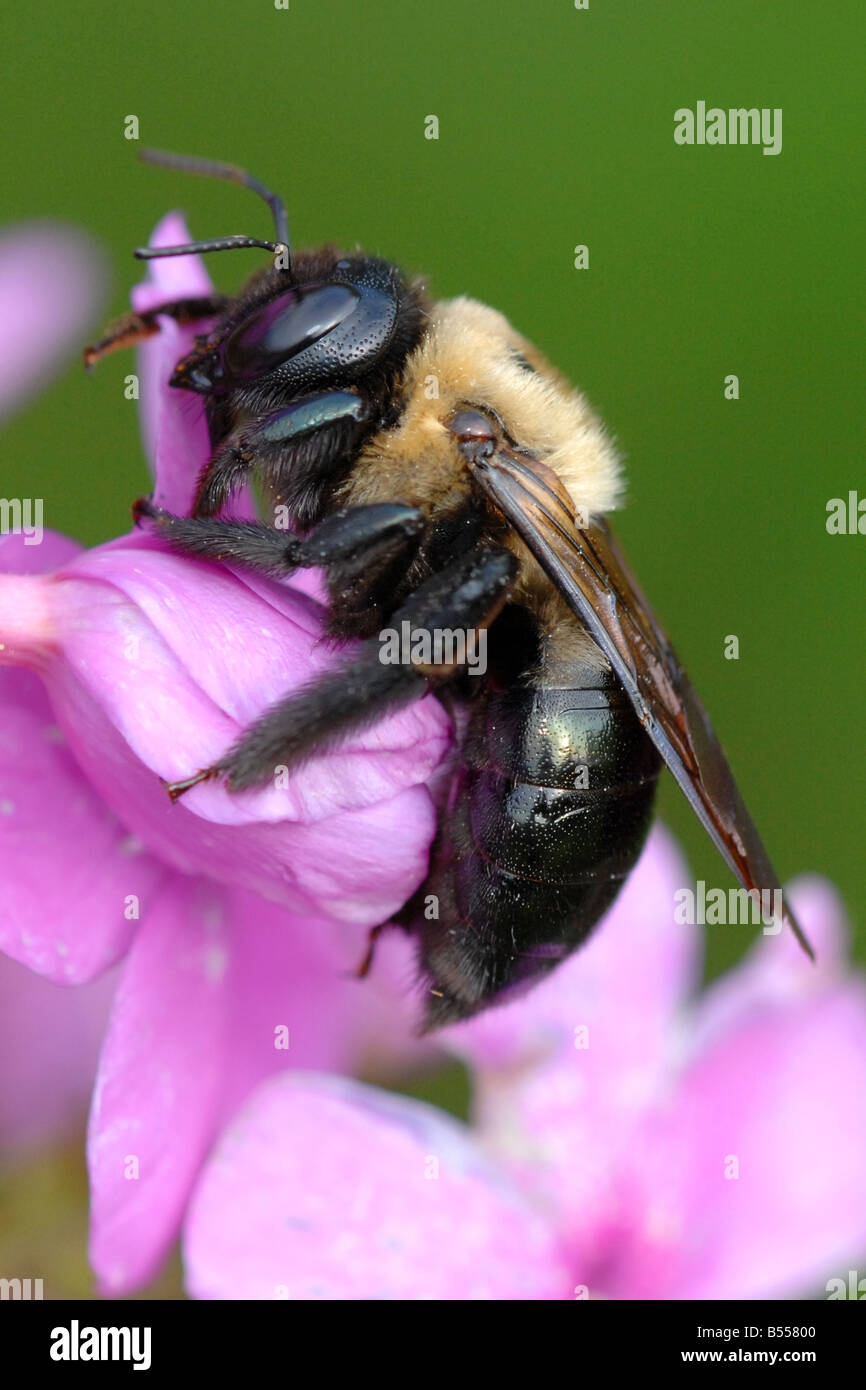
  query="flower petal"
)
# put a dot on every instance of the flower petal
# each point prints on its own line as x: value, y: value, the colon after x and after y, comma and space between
x: 54, y: 550
x: 220, y: 991
x: 69, y: 866
x: 195, y: 630
x: 173, y: 422
x: 348, y: 836
x: 563, y: 1075
x: 171, y: 277
x: 743, y: 1180
x: 49, y: 1040
x: 750, y: 1183
x: 159, y: 1087
x: 776, y: 970
x: 358, y: 866
x: 295, y: 1001
x: 326, y: 1189
x: 51, y: 289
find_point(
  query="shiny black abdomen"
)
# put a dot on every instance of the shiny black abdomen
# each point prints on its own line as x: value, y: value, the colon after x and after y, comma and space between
x: 548, y: 812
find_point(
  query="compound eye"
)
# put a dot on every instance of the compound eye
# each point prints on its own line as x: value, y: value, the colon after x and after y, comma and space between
x: 285, y: 326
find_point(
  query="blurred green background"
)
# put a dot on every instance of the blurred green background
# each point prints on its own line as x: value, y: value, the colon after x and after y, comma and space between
x: 556, y: 128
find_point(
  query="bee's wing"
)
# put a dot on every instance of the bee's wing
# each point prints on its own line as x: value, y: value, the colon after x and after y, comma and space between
x: 586, y: 566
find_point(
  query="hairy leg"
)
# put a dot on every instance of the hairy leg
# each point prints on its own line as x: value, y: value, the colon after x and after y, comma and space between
x: 361, y: 534
x: 295, y: 450
x: 467, y: 595
x: 134, y: 328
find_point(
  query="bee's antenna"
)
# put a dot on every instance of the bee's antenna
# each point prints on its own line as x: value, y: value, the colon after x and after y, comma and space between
x: 223, y: 243
x: 212, y: 168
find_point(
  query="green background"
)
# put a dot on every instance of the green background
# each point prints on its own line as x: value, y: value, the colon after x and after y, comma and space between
x: 556, y: 128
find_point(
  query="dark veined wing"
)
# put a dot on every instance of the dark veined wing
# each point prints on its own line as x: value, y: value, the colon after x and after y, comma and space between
x: 586, y: 566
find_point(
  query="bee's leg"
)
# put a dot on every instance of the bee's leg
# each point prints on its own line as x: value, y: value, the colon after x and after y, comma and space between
x: 296, y: 449
x: 385, y: 674
x: 133, y: 328
x: 227, y: 469
x: 365, y: 965
x: 355, y: 538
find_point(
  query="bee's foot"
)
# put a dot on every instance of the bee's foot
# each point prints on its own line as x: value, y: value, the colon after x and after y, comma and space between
x: 143, y: 507
x: 177, y: 789
x: 364, y: 967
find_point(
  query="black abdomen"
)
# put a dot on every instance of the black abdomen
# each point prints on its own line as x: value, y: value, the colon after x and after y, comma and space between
x: 548, y: 812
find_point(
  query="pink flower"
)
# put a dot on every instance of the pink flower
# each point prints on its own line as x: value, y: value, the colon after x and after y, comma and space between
x: 52, y: 287
x: 237, y: 916
x: 154, y: 664
x: 628, y: 1140
x: 49, y: 1040
x: 51, y: 291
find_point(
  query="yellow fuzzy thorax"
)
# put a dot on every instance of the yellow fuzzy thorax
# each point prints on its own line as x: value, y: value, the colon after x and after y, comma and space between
x: 471, y: 356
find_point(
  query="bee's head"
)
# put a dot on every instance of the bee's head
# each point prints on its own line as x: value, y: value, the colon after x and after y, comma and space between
x: 316, y: 322
x: 321, y: 326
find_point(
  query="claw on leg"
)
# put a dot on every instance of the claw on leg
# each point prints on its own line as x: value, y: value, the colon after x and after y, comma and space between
x: 177, y: 789
x: 366, y: 964
x: 134, y: 328
x: 143, y: 507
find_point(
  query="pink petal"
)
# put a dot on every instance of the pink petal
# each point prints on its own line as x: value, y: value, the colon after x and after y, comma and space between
x: 202, y: 630
x: 325, y: 1189
x: 359, y: 866
x: 51, y: 290
x: 772, y: 1078
x: 171, y: 277
x: 783, y: 1098
x: 347, y: 837
x: 159, y: 1086
x: 70, y: 868
x: 295, y: 1002
x: 220, y: 991
x: 72, y: 872
x: 54, y: 550
x: 49, y: 1041
x: 563, y: 1075
x: 173, y: 421
x: 776, y: 970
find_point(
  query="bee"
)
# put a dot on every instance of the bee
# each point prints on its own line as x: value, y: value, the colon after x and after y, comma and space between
x: 447, y: 479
